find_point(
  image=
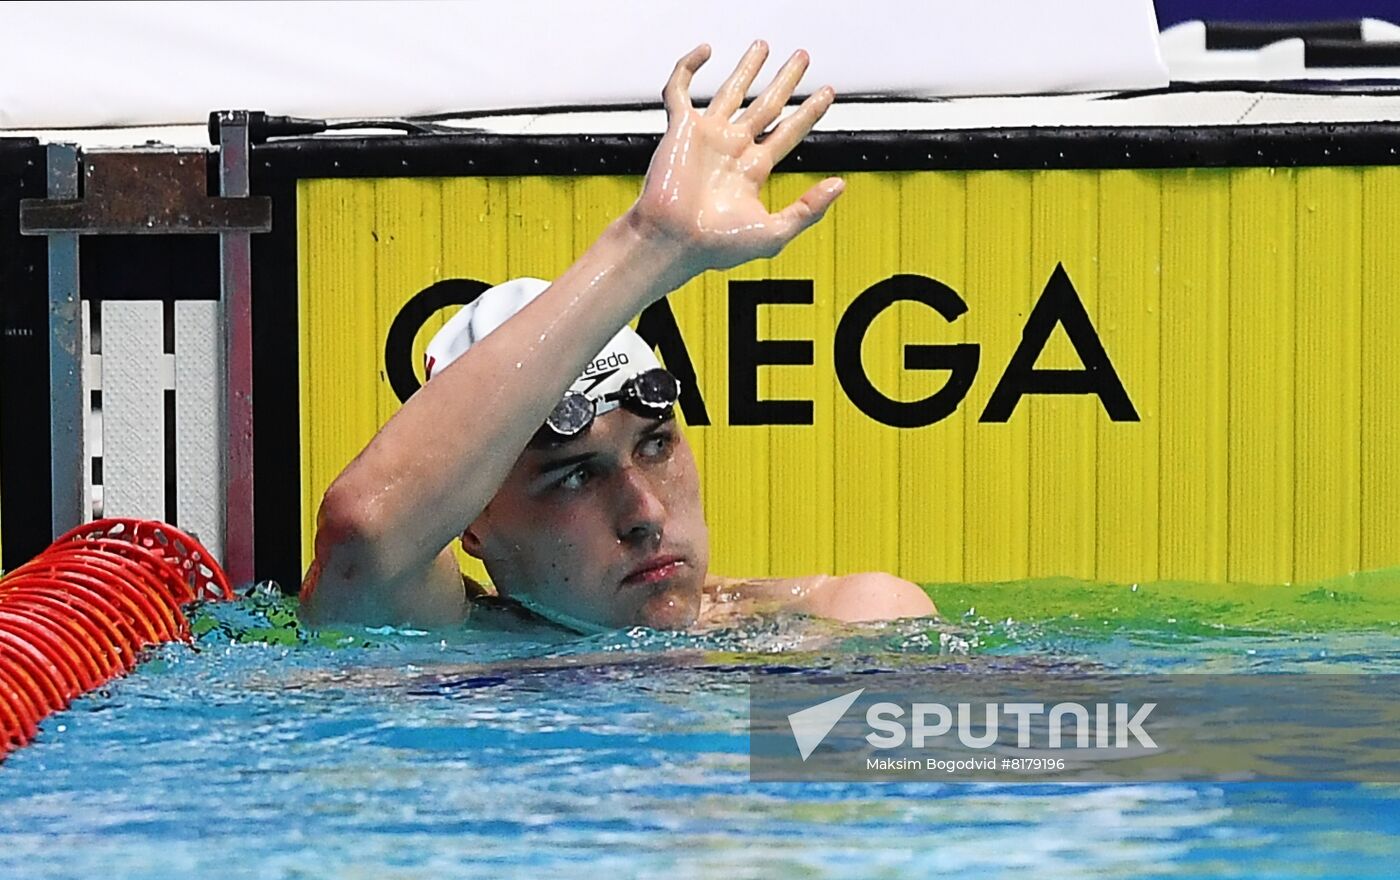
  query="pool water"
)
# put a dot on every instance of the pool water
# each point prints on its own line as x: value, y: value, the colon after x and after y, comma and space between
x: 268, y: 751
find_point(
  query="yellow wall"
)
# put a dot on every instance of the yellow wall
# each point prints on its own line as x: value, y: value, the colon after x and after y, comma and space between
x: 1241, y: 309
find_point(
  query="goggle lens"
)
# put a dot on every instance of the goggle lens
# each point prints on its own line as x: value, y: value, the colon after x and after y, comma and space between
x: 654, y: 391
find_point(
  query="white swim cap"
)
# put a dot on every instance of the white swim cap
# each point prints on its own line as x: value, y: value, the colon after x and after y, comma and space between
x: 625, y: 355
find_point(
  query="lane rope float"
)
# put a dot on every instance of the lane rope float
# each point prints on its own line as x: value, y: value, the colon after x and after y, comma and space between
x: 80, y: 614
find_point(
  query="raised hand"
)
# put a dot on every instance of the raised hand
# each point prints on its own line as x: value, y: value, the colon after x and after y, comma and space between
x: 702, y: 189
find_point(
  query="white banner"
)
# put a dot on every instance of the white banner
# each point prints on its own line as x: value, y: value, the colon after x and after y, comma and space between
x: 90, y: 65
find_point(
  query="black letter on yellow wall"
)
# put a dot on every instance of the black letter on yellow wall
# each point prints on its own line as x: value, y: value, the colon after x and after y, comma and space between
x: 959, y: 359
x: 747, y: 353
x: 1059, y: 304
x: 658, y: 327
x: 398, y: 345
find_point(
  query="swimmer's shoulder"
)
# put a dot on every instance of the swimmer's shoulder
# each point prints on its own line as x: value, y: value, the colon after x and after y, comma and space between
x: 865, y: 596
x: 726, y: 598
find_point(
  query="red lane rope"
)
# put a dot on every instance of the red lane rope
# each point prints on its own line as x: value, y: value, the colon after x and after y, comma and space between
x: 56, y: 647
x: 123, y: 587
x: 103, y: 641
x: 12, y: 725
x: 70, y: 639
x: 193, y: 563
x: 152, y: 565
x: 78, y: 588
x: 51, y: 691
x: 79, y: 614
x: 158, y: 610
x: 15, y: 693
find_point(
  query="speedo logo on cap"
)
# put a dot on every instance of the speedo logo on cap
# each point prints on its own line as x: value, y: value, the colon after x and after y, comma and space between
x: 594, y: 381
x: 611, y: 362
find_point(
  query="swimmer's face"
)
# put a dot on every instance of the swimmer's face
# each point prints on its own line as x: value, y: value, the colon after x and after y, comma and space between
x: 606, y: 527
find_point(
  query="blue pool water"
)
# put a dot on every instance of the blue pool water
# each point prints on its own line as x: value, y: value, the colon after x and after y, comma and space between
x: 266, y: 751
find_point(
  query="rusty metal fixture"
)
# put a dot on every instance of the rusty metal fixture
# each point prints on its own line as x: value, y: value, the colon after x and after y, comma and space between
x: 145, y: 191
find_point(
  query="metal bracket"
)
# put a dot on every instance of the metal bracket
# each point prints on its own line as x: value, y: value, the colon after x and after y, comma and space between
x: 153, y: 191
x: 145, y: 191
x: 236, y: 301
x: 67, y: 411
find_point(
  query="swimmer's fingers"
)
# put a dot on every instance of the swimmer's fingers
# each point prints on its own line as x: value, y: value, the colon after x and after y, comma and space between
x: 808, y: 209
x: 793, y: 129
x: 731, y: 94
x: 766, y: 107
x: 676, y: 94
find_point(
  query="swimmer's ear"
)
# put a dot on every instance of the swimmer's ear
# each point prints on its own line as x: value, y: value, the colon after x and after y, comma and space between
x: 471, y: 542
x: 471, y: 536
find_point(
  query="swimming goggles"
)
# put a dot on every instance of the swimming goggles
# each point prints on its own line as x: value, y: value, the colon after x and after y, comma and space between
x: 651, y: 393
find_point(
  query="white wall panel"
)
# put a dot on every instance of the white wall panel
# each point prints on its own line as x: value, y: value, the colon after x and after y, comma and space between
x: 199, y: 461
x: 134, y: 377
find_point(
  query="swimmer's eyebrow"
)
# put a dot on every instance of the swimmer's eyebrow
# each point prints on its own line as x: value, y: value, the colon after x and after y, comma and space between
x: 658, y: 425
x: 561, y: 463
x: 647, y: 430
x: 655, y: 428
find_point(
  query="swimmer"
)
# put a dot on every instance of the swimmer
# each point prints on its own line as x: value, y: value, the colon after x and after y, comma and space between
x: 545, y: 437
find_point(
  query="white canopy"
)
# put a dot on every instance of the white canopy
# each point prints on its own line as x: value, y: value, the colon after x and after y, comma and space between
x: 107, y: 64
